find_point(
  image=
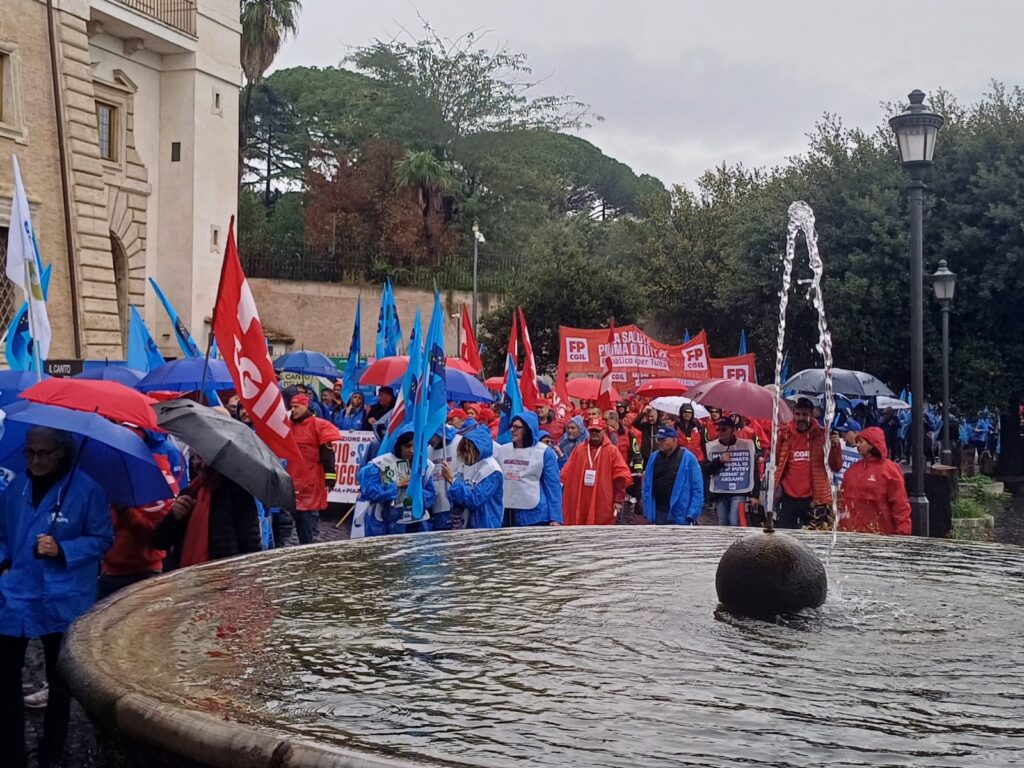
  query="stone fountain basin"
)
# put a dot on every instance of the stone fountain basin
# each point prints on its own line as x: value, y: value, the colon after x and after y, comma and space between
x: 542, y: 647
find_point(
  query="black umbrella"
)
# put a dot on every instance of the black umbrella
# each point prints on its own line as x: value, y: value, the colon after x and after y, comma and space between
x: 230, y: 447
x: 844, y: 382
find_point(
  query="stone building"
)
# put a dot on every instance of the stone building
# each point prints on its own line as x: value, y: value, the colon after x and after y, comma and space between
x: 145, y: 109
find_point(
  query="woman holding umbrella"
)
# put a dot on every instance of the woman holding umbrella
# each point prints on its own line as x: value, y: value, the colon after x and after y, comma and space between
x: 54, y: 529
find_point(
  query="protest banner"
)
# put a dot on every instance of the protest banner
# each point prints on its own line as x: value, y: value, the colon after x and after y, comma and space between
x: 349, y: 456
x: 741, y: 368
x: 635, y: 356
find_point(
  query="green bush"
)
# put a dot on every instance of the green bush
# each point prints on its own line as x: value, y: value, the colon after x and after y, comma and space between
x: 967, y: 508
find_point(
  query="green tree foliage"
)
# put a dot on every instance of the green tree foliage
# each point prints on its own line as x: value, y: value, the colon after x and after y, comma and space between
x: 475, y: 88
x: 265, y: 25
x: 561, y: 287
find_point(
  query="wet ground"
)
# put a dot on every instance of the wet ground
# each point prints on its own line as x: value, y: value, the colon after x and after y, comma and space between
x: 83, y: 750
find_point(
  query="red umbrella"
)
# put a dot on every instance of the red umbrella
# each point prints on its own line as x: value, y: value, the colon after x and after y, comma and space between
x: 652, y: 388
x: 386, y: 370
x: 458, y: 364
x: 742, y: 397
x: 494, y: 383
x: 586, y: 389
x: 382, y: 372
x: 107, y: 398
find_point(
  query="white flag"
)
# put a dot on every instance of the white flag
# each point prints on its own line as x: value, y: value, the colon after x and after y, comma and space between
x: 23, y: 264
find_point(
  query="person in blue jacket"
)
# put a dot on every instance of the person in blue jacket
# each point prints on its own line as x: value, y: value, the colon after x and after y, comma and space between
x: 477, y: 488
x: 673, y: 487
x: 384, y: 482
x: 353, y: 416
x: 55, y: 527
x: 531, y: 488
x: 575, y: 434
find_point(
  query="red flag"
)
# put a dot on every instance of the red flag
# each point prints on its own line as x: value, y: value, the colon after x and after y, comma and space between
x: 559, y: 394
x: 528, y: 383
x: 604, y: 391
x: 239, y: 334
x: 470, y: 351
x: 513, y: 348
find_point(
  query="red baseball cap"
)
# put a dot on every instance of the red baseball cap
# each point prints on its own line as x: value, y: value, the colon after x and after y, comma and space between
x: 300, y: 400
x: 595, y: 424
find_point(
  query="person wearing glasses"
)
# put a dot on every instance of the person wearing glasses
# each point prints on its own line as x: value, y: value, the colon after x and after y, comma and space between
x: 54, y: 529
x: 532, y: 491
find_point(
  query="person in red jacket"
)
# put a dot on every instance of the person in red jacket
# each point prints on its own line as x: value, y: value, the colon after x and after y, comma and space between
x: 133, y: 557
x: 314, y: 474
x: 802, y: 487
x: 873, y: 497
x: 594, y: 480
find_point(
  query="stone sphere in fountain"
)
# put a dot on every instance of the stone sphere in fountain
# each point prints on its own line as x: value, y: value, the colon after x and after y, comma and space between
x: 768, y: 574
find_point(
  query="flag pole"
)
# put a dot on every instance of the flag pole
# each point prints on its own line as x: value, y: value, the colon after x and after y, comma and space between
x: 31, y: 326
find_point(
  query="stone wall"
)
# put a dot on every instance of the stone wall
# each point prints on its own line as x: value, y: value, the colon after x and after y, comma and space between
x: 319, y: 316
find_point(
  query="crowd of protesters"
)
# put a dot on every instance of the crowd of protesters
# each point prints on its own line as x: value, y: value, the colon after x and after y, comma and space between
x: 62, y: 546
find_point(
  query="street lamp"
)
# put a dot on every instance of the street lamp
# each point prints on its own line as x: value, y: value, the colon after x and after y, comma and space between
x: 944, y: 286
x: 477, y: 239
x: 916, y: 130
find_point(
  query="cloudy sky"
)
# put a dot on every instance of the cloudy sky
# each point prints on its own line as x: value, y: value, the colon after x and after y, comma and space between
x: 684, y: 85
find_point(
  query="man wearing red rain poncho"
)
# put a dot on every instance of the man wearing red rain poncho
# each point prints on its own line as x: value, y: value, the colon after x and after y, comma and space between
x: 594, y: 480
x: 873, y: 498
x: 314, y: 473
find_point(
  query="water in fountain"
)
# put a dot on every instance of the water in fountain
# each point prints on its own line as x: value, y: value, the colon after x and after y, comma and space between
x: 801, y: 219
x: 562, y: 647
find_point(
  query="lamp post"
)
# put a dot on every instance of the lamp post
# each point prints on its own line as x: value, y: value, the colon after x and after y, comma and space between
x: 944, y: 286
x: 477, y: 239
x: 916, y: 131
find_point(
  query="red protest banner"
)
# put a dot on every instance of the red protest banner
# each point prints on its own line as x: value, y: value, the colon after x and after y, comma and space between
x: 741, y: 368
x: 635, y: 355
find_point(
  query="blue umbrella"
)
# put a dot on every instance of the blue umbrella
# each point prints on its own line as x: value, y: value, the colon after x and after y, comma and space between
x: 186, y: 375
x: 119, y: 373
x: 461, y: 387
x: 12, y: 383
x: 113, y: 456
x: 309, y: 364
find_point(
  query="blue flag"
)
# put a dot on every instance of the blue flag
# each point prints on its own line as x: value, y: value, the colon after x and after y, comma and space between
x: 350, y: 381
x: 143, y: 354
x: 431, y: 405
x: 403, y: 411
x: 686, y: 335
x: 513, y: 401
x: 185, y: 341
x: 743, y: 342
x: 382, y: 324
x: 785, y: 368
x: 393, y: 328
x: 19, y: 341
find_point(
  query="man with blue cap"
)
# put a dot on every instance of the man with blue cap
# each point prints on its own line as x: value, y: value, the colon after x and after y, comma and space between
x: 848, y: 431
x: 673, y: 488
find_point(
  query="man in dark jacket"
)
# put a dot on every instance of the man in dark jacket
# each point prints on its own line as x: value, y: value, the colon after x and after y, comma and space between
x: 232, y: 521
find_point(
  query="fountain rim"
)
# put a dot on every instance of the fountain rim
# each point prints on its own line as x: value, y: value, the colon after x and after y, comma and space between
x: 210, y: 740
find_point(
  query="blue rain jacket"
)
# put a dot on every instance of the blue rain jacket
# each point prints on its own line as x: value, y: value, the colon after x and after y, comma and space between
x: 352, y: 421
x: 43, y: 595
x: 382, y: 495
x: 481, y: 498
x: 567, y: 445
x: 549, y: 510
x: 687, y: 491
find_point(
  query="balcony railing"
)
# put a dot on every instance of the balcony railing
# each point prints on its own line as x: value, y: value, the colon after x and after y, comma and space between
x: 179, y: 14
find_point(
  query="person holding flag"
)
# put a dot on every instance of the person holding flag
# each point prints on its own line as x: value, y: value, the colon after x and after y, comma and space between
x: 384, y: 483
x: 476, y: 486
x: 444, y: 454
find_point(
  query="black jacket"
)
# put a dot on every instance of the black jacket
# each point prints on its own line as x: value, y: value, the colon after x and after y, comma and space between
x: 234, y: 527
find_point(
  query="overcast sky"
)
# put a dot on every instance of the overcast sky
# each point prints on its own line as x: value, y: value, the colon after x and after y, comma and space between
x: 685, y: 85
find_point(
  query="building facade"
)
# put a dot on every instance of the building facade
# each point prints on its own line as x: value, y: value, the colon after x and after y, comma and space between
x: 145, y: 109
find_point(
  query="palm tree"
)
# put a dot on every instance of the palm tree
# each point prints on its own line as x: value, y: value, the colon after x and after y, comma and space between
x: 265, y: 25
x: 430, y: 178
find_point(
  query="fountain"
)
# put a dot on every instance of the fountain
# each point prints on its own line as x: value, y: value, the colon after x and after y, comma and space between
x: 764, y: 576
x: 551, y: 647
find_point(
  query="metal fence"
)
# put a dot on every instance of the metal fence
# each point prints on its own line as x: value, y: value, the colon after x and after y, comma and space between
x: 495, y: 273
x: 180, y: 14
